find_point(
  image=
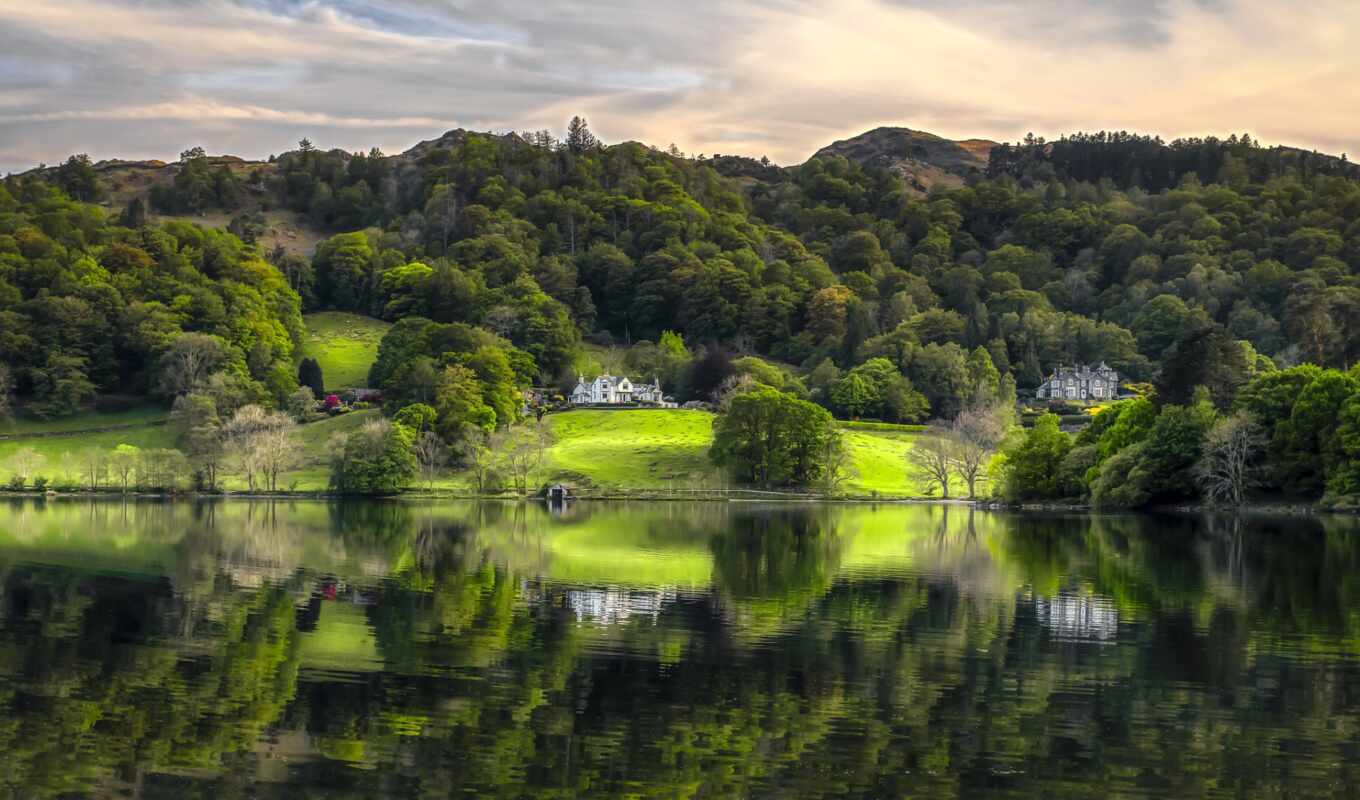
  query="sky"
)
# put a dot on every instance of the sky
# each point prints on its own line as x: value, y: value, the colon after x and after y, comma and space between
x: 776, y: 78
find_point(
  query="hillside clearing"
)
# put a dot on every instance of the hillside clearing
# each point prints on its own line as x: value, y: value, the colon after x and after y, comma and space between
x: 345, y: 345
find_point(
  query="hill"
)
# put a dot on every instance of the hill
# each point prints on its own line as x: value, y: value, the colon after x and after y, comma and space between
x: 923, y: 159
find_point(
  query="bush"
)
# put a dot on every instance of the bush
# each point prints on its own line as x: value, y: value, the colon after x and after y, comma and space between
x: 40, y: 483
x: 16, y: 483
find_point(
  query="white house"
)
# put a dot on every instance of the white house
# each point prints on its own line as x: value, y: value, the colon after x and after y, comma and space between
x: 608, y: 390
x: 1080, y: 383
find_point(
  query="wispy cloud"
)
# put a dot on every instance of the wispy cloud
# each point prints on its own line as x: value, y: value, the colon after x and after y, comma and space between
x: 147, y: 78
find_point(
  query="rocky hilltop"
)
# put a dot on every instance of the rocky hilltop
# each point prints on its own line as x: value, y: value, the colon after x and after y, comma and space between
x: 922, y: 159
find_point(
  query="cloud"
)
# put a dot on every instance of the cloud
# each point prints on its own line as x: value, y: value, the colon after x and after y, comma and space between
x: 212, y: 110
x: 147, y: 78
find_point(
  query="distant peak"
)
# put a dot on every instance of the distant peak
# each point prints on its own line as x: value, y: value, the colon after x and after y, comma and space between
x: 922, y: 158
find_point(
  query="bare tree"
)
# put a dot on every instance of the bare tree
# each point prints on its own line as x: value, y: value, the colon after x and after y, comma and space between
x: 480, y: 456
x: 931, y: 459
x: 123, y: 464
x: 976, y: 433
x: 93, y: 466
x: 259, y: 444
x: 276, y: 452
x: 1227, y: 468
x: 523, y: 451
x: 431, y: 454
x: 25, y: 462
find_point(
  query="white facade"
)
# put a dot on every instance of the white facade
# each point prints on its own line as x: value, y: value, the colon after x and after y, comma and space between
x: 1080, y: 383
x: 608, y: 390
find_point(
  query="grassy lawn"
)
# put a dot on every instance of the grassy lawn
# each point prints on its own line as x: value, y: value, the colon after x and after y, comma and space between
x: 57, y: 448
x: 313, y: 445
x: 634, y: 449
x: 653, y: 449
x: 344, y: 344
x: 669, y: 449
x: 878, y: 458
x: 141, y: 415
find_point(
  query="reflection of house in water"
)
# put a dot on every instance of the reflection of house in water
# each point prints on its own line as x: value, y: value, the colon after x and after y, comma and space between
x: 612, y: 606
x: 1078, y: 616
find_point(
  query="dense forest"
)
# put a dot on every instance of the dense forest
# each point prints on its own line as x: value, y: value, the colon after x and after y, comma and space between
x: 1199, y: 265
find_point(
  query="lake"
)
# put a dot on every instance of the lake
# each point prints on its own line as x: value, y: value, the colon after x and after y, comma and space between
x: 667, y: 650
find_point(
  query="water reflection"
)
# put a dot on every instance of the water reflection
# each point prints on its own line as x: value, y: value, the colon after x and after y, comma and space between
x: 671, y: 650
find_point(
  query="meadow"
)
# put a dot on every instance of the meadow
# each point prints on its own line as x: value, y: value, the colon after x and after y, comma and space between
x: 593, y: 450
x: 345, y: 345
x: 668, y: 449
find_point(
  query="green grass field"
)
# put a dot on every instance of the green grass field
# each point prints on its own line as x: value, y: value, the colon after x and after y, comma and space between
x: 344, y: 344
x: 594, y: 449
x: 654, y: 449
x: 60, y: 452
x: 878, y: 459
x: 141, y: 415
x: 669, y: 450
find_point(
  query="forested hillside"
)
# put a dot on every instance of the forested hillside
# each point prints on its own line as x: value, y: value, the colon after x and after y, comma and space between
x: 1198, y: 263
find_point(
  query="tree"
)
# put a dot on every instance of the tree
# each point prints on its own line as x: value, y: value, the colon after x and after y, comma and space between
x: 309, y: 375
x: 771, y: 438
x: 459, y: 404
x: 579, y: 137
x: 930, y: 459
x: 477, y: 448
x: 977, y: 432
x: 431, y: 454
x: 122, y: 462
x: 191, y: 358
x: 837, y: 464
x: 260, y: 444
x: 522, y: 450
x: 1228, y: 466
x: 134, y: 214
x: 25, y: 462
x: 198, y: 431
x: 374, y: 460
x: 61, y: 387
x: 276, y: 450
x: 6, y: 392
x: 1030, y: 471
x: 301, y: 404
x: 93, y: 466
x: 77, y: 178
x: 417, y: 416
x: 852, y: 395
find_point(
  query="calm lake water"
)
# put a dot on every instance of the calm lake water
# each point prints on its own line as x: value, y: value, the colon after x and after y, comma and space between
x: 299, y: 650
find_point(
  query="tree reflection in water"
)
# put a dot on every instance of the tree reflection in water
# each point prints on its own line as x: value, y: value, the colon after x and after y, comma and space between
x: 671, y: 650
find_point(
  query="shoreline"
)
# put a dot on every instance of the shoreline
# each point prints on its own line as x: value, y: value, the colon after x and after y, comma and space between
x: 698, y: 496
